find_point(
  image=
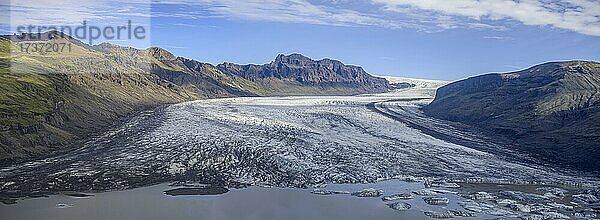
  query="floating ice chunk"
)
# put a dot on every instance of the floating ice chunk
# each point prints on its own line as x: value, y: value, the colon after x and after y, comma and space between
x: 368, y: 193
x: 473, y: 206
x: 443, y: 191
x: 441, y: 184
x: 400, y: 206
x: 328, y: 192
x: 433, y: 214
x: 63, y: 205
x: 459, y: 213
x: 426, y: 192
x: 397, y: 197
x: 411, y: 179
x: 436, y: 200
x: 481, y: 196
x: 505, y: 202
x: 322, y: 192
x: 499, y: 212
x: 533, y: 217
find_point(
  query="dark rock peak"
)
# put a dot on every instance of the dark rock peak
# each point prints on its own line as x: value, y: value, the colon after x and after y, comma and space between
x: 49, y: 35
x: 106, y: 45
x: 306, y: 71
x: 194, y: 65
x: 46, y: 36
x: 160, y: 53
x: 112, y: 48
x: 295, y: 59
x: 229, y: 65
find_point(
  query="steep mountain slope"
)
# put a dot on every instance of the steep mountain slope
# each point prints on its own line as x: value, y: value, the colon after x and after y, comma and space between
x: 551, y: 110
x: 50, y: 99
x: 205, y: 79
x: 297, y: 75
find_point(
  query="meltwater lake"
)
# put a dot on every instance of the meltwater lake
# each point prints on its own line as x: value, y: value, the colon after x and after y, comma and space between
x: 258, y: 203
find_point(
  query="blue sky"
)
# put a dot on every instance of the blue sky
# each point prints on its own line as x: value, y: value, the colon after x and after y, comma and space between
x: 436, y: 39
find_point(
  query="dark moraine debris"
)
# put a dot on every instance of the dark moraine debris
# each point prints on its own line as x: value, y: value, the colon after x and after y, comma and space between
x: 78, y: 195
x: 525, y: 197
x: 197, y: 191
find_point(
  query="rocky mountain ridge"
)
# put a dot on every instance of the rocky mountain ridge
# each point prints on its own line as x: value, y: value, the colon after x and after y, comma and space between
x: 551, y: 110
x: 288, y: 73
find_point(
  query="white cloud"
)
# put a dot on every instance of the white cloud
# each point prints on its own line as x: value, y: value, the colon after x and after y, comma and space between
x: 74, y: 12
x: 325, y: 12
x: 497, y: 38
x: 290, y: 11
x: 69, y: 15
x: 581, y: 16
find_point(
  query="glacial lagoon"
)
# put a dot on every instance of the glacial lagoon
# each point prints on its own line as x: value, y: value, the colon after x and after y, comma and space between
x: 258, y: 203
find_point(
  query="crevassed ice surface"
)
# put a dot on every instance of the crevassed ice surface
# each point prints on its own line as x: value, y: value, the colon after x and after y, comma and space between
x: 324, y: 140
x: 280, y: 141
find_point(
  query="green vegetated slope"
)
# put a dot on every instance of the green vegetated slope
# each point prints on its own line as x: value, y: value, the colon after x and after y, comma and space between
x: 49, y: 100
x: 551, y: 111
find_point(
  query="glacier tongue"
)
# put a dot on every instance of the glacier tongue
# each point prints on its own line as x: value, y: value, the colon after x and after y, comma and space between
x: 277, y: 141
